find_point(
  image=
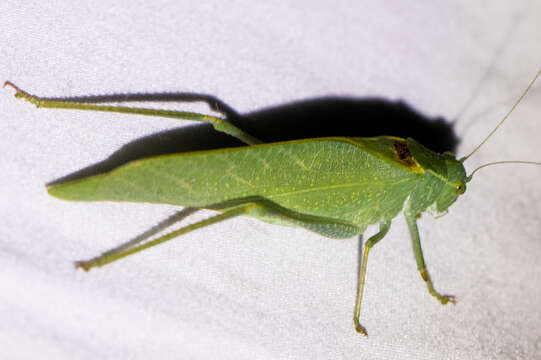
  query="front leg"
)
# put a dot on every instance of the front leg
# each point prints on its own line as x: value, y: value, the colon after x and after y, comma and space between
x: 411, y: 219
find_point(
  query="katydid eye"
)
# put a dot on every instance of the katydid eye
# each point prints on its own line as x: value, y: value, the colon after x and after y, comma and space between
x: 460, y: 188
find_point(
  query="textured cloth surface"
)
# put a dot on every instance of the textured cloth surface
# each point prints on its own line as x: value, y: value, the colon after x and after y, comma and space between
x: 245, y: 289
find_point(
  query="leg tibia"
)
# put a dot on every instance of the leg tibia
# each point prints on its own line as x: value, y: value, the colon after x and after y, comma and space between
x: 419, y: 258
x: 220, y: 124
x: 383, y: 229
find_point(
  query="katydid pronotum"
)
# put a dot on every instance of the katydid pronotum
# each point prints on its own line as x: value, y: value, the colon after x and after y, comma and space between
x: 334, y: 186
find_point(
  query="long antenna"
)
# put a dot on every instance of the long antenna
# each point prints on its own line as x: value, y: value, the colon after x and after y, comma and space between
x: 501, y: 162
x: 504, y: 118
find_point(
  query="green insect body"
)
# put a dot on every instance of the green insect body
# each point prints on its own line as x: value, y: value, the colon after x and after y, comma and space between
x: 332, y: 186
x: 359, y: 181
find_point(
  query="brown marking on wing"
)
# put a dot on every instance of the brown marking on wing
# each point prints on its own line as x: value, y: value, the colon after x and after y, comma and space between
x: 403, y: 154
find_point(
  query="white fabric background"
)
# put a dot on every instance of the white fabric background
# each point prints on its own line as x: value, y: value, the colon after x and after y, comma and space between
x: 245, y: 289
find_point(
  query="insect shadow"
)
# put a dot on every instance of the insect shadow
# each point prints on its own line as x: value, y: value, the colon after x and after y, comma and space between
x: 310, y: 118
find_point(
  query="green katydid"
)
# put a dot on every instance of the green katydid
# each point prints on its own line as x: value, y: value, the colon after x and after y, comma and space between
x: 334, y: 186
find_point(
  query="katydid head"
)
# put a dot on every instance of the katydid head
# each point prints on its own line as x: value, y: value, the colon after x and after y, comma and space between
x: 455, y: 183
x: 468, y: 178
x: 446, y: 168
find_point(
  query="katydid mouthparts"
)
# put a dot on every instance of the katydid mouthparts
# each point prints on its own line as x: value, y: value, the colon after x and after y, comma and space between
x: 333, y: 186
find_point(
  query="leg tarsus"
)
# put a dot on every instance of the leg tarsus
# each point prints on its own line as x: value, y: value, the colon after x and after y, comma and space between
x: 359, y: 328
x: 443, y: 299
x: 86, y: 265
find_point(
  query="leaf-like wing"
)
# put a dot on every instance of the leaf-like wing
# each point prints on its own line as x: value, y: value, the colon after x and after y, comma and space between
x: 333, y: 177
